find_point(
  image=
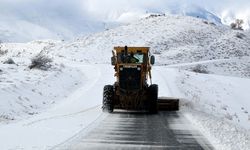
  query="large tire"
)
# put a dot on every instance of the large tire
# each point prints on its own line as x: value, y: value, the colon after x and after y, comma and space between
x: 108, y: 99
x: 153, y: 96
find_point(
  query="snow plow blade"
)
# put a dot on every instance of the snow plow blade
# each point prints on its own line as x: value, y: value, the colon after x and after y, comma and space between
x: 168, y: 104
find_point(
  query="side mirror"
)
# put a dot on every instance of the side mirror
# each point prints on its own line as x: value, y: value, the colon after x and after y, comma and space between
x: 113, y: 60
x: 152, y: 59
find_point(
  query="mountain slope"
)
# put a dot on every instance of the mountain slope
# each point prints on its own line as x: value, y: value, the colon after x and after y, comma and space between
x: 173, y: 39
x: 194, y: 11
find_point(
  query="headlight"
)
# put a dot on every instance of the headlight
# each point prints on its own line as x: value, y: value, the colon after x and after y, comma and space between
x: 138, y: 68
x: 121, y: 68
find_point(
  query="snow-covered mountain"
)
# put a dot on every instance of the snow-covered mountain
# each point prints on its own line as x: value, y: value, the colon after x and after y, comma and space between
x: 194, y: 11
x: 15, y: 29
x: 27, y: 21
x: 205, y: 64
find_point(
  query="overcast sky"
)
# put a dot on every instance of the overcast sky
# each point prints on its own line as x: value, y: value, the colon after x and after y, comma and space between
x: 74, y: 15
x: 104, y: 8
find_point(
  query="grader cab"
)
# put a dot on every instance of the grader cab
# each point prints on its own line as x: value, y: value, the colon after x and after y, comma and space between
x: 133, y: 89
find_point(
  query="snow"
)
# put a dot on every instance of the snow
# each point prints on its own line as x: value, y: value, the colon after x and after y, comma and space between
x: 40, y: 109
x: 194, y: 11
x: 217, y: 105
x: 220, y: 133
x: 65, y: 119
x: 217, y: 95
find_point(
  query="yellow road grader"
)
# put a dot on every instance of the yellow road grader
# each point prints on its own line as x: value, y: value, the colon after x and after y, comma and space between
x: 132, y: 90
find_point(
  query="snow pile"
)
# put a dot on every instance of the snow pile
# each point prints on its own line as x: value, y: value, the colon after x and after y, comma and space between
x: 221, y: 133
x: 218, y: 106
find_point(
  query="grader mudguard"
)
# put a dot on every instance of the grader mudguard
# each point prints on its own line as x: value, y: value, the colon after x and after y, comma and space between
x: 168, y: 104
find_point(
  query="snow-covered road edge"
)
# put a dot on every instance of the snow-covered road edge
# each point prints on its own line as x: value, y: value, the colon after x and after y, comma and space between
x: 66, y: 119
x: 222, y: 134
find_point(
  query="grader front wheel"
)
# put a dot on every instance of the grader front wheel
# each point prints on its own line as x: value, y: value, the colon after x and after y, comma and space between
x: 108, y: 99
x: 153, y: 96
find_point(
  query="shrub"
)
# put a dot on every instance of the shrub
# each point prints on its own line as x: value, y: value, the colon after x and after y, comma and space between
x: 9, y: 61
x: 212, y: 23
x: 204, y: 21
x: 233, y: 25
x: 154, y: 15
x: 200, y: 69
x: 2, y: 52
x: 40, y: 61
x: 240, y: 35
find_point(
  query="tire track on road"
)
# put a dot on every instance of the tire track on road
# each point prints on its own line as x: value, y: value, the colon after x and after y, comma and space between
x: 60, y: 116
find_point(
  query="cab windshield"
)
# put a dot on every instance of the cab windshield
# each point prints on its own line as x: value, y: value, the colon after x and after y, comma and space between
x: 131, y: 58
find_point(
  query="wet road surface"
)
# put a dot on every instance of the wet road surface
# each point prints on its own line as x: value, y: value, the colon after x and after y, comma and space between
x: 134, y: 130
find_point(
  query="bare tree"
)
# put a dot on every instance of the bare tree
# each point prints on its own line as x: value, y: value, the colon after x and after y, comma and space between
x: 237, y: 25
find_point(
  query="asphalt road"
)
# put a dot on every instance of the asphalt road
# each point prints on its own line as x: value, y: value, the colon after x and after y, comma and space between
x: 136, y: 130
